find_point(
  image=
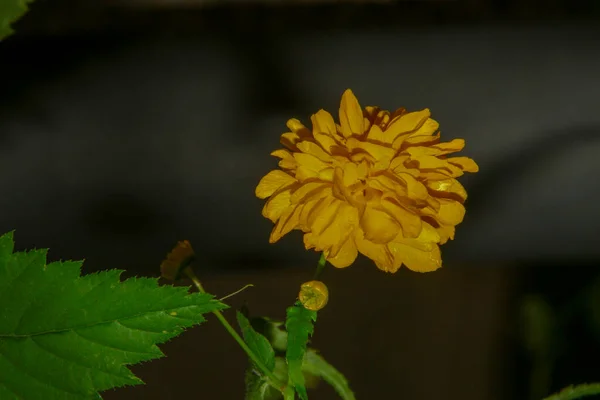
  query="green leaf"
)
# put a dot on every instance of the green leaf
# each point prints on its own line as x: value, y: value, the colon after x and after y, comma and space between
x: 63, y: 336
x: 576, y: 392
x: 10, y: 11
x: 257, y: 342
x: 299, y: 324
x: 316, y: 365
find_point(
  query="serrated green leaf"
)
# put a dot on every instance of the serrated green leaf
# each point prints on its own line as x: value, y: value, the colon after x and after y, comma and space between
x: 257, y: 342
x: 64, y: 336
x: 299, y: 324
x: 316, y: 365
x: 576, y: 392
x: 11, y: 11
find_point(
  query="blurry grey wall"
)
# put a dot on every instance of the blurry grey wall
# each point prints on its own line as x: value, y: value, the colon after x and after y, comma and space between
x: 114, y: 149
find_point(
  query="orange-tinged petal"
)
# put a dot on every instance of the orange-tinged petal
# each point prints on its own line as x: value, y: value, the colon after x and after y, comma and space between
x: 272, y: 182
x: 351, y: 115
x: 346, y: 254
x: 378, y: 226
x: 465, y: 163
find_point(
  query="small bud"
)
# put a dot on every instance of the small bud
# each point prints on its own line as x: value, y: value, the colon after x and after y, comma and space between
x: 313, y: 295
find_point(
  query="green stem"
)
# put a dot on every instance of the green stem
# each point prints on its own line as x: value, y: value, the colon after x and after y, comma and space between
x: 289, y: 393
x: 274, y: 381
x: 320, y: 265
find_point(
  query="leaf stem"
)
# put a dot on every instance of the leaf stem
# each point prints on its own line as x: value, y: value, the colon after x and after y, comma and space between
x: 274, y: 381
x: 320, y: 265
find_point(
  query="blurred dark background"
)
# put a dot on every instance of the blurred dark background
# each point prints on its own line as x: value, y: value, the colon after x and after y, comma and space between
x: 127, y: 125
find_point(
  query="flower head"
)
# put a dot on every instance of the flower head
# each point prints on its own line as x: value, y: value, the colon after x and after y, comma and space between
x: 378, y: 183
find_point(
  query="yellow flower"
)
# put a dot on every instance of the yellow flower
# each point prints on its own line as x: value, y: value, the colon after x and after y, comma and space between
x: 378, y: 183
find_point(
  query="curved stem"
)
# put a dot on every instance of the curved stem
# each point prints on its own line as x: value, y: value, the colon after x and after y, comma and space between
x: 274, y: 381
x: 289, y: 393
x: 320, y: 266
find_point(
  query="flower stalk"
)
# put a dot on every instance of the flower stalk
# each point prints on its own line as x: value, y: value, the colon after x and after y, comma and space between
x: 273, y: 380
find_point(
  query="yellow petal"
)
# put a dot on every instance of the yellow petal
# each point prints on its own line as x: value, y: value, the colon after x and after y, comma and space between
x: 277, y: 205
x: 376, y: 135
x: 351, y: 115
x: 379, y: 253
x: 309, y: 166
x: 379, y: 152
x: 298, y: 133
x: 272, y: 182
x: 432, y: 163
x: 295, y: 125
x: 451, y: 212
x: 326, y: 175
x: 288, y: 221
x: 323, y: 215
x: 414, y: 188
x: 309, y: 191
x: 287, y: 160
x: 425, y: 140
x: 397, y: 166
x: 448, y: 188
x: 446, y: 233
x: 409, y: 221
x: 335, y: 234
x: 378, y: 226
x: 346, y: 255
x: 350, y: 174
x: 465, y: 163
x: 428, y: 128
x: 407, y: 123
x: 428, y: 237
x: 450, y: 147
x: 313, y: 149
x: 325, y: 131
x: 415, y: 259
